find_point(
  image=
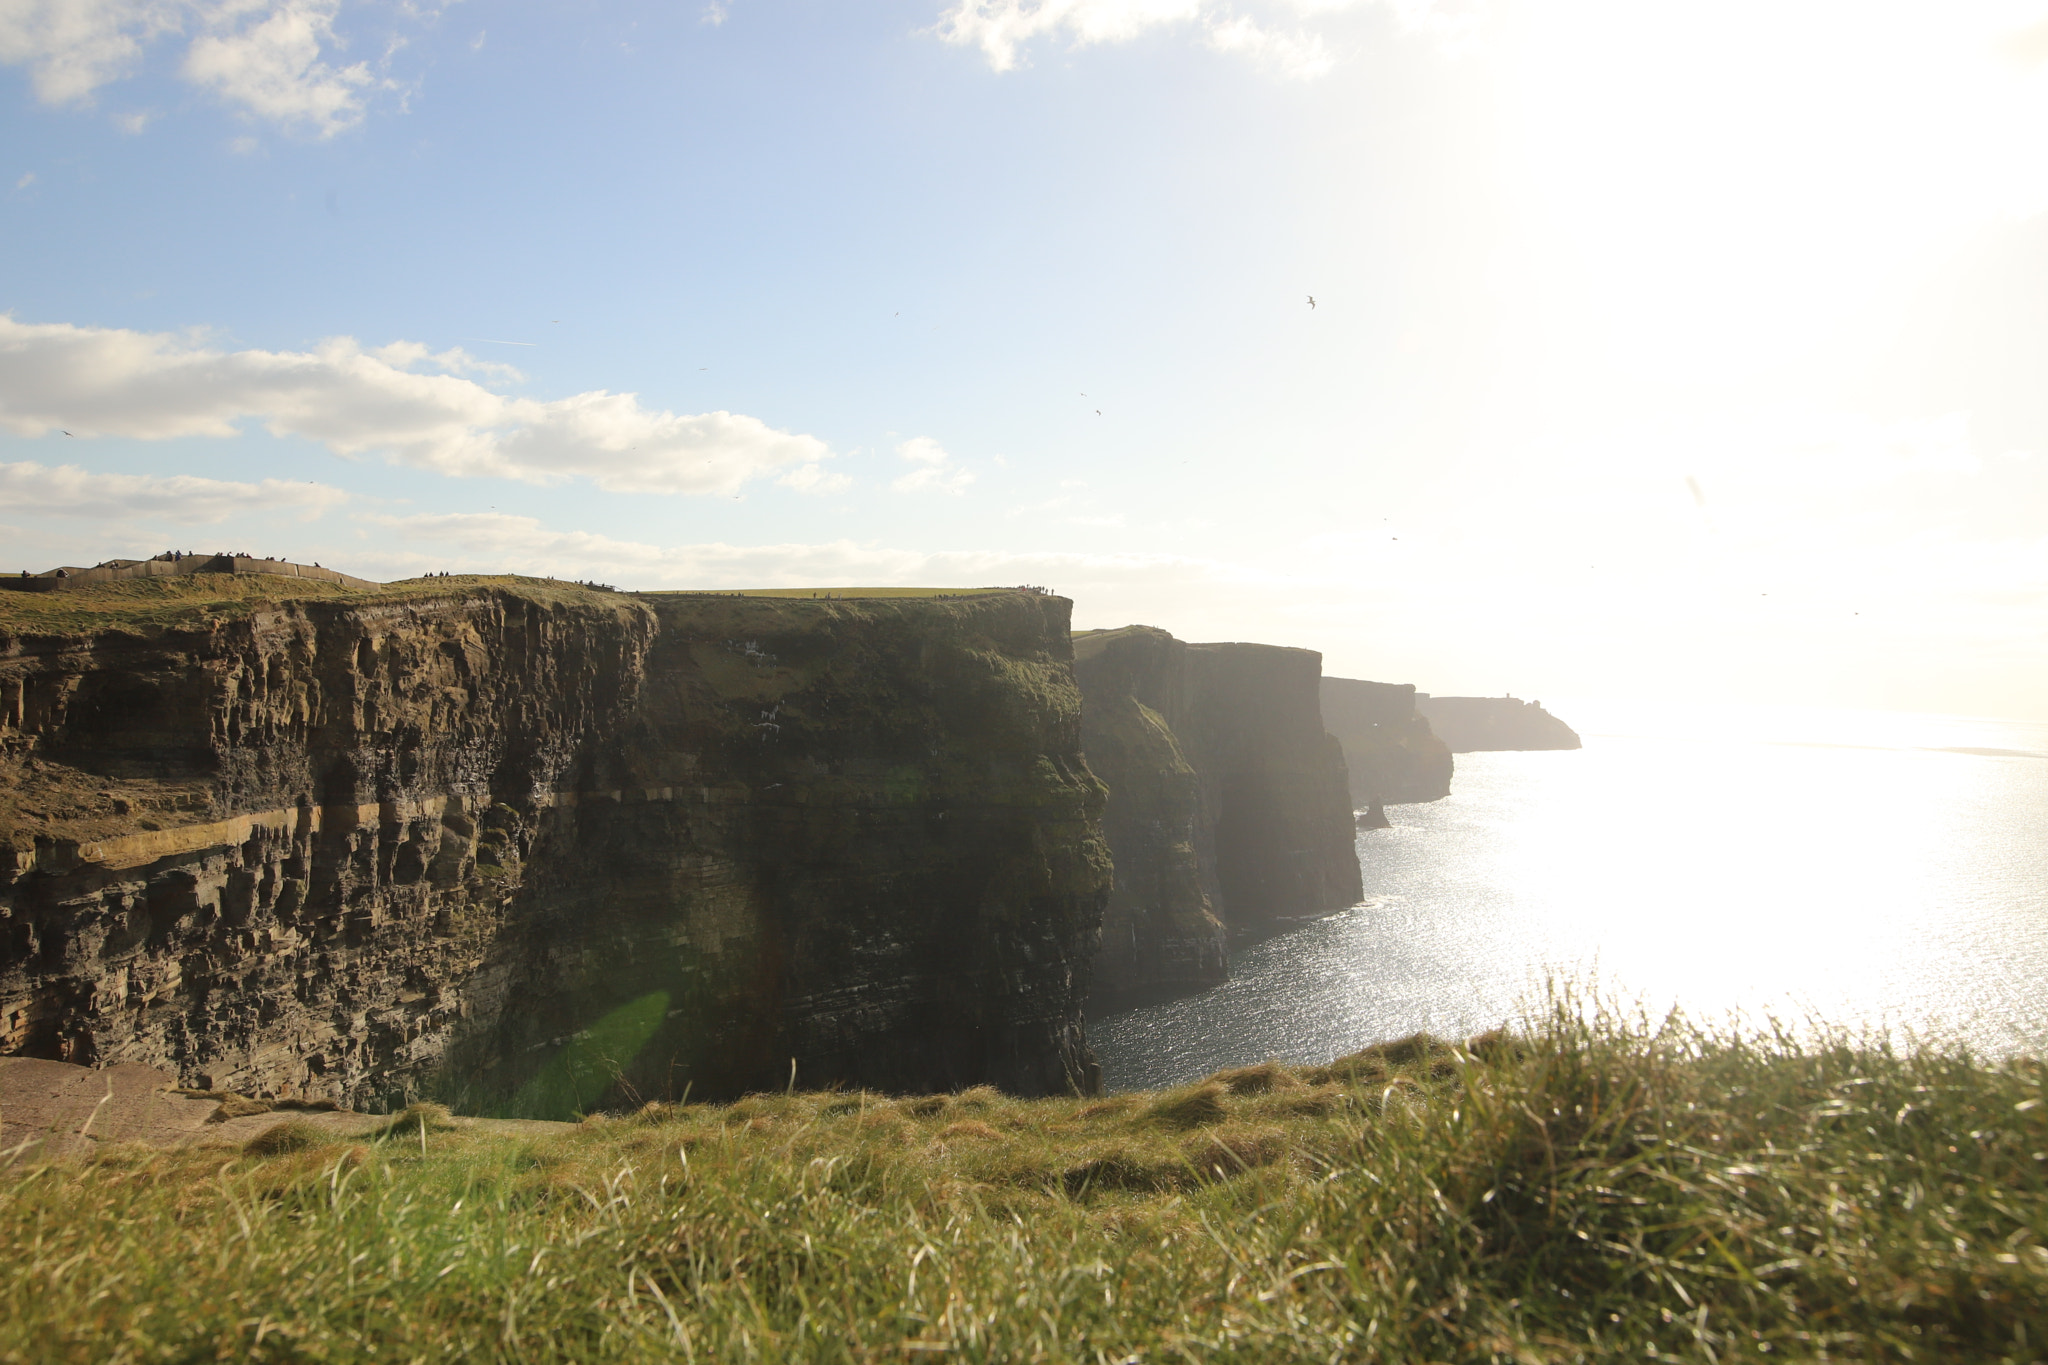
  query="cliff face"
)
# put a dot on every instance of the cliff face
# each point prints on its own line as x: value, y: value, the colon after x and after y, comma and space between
x: 1389, y: 750
x: 853, y: 835
x: 1478, y: 724
x: 539, y: 848
x: 1228, y: 802
x: 266, y: 850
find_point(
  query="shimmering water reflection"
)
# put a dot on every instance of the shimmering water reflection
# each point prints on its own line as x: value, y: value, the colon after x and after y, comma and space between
x: 1855, y: 869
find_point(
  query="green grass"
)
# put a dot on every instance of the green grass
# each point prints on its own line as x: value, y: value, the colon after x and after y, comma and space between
x: 198, y: 599
x: 1579, y: 1192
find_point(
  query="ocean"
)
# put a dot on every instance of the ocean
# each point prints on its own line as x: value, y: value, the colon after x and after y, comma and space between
x: 1873, y: 871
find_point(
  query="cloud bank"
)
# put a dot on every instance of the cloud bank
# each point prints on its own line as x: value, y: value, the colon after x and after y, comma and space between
x: 154, y: 386
x: 496, y: 542
x: 67, y: 491
x: 270, y: 59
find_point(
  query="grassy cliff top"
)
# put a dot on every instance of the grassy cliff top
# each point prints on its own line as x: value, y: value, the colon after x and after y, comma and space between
x: 1575, y: 1193
x: 842, y: 593
x: 193, y: 599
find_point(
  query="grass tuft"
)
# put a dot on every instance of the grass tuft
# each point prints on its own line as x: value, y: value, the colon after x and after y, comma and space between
x: 1190, y: 1107
x: 1578, y: 1191
x: 293, y: 1135
x: 1256, y: 1080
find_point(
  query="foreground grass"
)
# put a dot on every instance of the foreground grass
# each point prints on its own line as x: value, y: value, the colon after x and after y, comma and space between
x: 1582, y: 1193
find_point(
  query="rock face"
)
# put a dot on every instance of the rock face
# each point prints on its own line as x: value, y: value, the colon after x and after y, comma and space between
x: 1390, y: 751
x: 1479, y: 724
x: 857, y: 836
x: 533, y: 848
x: 1228, y: 803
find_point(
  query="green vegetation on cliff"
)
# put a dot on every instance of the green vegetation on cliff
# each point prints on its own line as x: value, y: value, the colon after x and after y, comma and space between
x: 1581, y: 1193
x: 198, y: 599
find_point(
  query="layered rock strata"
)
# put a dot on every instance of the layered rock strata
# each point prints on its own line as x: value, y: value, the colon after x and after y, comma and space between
x: 535, y: 849
x: 1228, y: 804
x: 1390, y: 752
x: 1481, y: 724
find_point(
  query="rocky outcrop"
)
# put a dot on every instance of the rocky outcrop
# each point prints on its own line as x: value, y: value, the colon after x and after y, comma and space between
x: 1479, y: 724
x: 1228, y: 805
x: 1389, y: 750
x: 534, y: 849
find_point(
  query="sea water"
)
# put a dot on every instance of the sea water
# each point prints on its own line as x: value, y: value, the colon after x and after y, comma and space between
x: 1868, y: 871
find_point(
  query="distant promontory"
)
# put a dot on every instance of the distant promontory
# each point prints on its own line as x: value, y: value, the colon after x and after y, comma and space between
x: 1480, y: 724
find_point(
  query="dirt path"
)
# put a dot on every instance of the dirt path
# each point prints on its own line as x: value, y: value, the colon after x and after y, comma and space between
x: 57, y: 1110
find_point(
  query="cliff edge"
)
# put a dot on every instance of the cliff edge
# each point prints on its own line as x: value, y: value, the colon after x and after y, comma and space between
x: 1390, y: 751
x: 536, y: 848
x: 1482, y: 724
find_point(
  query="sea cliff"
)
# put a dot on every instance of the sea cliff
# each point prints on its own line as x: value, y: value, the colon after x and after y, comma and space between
x: 1481, y: 724
x: 534, y: 848
x: 1228, y: 806
x: 1390, y: 751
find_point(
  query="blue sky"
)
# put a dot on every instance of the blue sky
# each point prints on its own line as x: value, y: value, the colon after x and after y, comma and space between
x: 1657, y: 350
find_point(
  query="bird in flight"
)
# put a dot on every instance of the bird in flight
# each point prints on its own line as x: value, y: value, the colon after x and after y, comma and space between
x: 65, y: 432
x: 1098, y: 413
x: 1311, y: 300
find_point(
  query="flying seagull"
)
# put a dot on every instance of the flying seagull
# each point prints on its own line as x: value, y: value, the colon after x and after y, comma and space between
x: 1311, y: 300
x: 1098, y: 412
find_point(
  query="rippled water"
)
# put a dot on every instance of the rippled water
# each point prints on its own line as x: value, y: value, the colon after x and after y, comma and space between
x: 1854, y: 868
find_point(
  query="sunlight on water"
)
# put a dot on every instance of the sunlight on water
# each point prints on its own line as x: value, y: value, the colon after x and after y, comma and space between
x: 1856, y: 869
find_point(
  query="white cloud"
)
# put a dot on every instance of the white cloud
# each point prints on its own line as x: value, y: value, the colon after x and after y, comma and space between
x: 272, y: 67
x: 1002, y: 29
x: 72, y: 47
x: 27, y: 179
x: 67, y: 491
x: 714, y: 13
x: 935, y: 472
x: 813, y: 478
x: 491, y: 542
x: 1297, y: 56
x: 271, y: 59
x: 153, y: 386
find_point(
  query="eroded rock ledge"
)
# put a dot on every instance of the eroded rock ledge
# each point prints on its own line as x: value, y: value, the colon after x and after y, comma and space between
x: 530, y: 848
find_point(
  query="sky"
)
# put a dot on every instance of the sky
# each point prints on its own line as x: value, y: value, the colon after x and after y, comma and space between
x: 1657, y: 350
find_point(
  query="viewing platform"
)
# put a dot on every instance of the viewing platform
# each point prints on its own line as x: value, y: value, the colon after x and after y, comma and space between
x: 171, y: 564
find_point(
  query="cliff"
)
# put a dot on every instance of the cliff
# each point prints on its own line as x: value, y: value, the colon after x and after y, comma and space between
x: 856, y: 836
x: 1227, y: 801
x: 535, y: 848
x: 1390, y: 751
x: 1479, y: 724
